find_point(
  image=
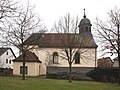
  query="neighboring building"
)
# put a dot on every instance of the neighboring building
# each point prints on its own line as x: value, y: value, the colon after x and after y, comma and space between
x: 116, y: 62
x: 48, y: 47
x: 6, y: 57
x: 32, y: 65
x: 104, y: 62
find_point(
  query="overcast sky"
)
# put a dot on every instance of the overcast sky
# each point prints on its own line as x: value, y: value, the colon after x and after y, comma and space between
x: 51, y: 10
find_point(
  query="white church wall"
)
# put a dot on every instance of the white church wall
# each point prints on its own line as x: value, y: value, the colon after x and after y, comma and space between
x: 45, y: 55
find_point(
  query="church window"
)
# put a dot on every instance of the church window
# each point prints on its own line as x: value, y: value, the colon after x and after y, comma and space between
x: 55, y: 57
x: 77, y: 58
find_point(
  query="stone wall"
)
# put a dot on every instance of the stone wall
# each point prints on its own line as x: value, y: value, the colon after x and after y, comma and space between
x: 78, y: 73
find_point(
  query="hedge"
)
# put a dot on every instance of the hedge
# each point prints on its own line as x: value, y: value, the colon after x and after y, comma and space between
x: 104, y: 74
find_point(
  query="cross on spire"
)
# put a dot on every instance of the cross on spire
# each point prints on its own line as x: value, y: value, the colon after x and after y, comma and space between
x: 84, y: 14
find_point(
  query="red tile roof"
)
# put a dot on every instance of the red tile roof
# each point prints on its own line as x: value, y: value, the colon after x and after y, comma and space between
x: 104, y: 62
x: 61, y: 40
x: 29, y: 57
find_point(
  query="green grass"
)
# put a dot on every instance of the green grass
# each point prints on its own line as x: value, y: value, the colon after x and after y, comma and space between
x: 41, y: 83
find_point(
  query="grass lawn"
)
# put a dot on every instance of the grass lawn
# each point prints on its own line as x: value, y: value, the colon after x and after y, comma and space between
x: 41, y: 83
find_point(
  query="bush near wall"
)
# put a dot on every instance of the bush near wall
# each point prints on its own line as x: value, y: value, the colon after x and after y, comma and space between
x: 78, y: 73
x: 104, y: 74
x: 6, y: 71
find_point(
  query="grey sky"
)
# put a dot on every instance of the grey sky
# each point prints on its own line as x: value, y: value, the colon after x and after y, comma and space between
x: 51, y: 10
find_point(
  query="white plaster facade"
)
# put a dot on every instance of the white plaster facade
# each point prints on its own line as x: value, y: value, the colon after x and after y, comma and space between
x: 87, y: 59
x: 6, y: 59
x: 34, y: 68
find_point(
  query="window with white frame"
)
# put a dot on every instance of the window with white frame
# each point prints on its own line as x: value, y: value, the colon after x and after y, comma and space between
x: 6, y: 60
x: 6, y: 53
x: 10, y: 61
x: 55, y: 57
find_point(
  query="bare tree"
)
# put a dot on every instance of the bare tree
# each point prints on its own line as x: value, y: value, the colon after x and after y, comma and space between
x: 72, y: 43
x: 109, y: 33
x: 7, y: 8
x: 19, y: 28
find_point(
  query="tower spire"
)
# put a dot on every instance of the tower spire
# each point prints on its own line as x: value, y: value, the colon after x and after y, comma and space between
x: 84, y: 14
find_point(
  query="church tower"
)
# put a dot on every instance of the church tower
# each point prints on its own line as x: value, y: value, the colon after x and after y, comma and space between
x: 85, y: 31
x: 84, y: 25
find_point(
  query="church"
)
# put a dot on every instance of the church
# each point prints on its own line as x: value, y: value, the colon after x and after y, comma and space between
x: 50, y: 48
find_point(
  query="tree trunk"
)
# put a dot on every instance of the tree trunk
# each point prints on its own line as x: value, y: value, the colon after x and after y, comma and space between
x: 23, y: 74
x: 118, y: 53
x: 119, y: 69
x: 70, y: 73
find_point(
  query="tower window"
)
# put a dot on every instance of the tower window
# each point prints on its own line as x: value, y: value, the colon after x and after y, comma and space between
x: 77, y: 58
x: 89, y: 29
x: 55, y: 57
x: 86, y: 29
x: 81, y: 30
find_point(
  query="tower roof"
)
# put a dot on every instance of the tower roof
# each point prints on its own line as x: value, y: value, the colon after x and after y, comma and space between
x: 85, y: 20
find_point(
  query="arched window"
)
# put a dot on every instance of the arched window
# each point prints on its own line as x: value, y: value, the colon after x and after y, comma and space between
x: 55, y: 57
x: 89, y: 29
x: 77, y: 58
x: 86, y: 29
x: 81, y: 30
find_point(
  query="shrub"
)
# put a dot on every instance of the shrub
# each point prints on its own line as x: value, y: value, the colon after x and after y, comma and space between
x: 104, y: 74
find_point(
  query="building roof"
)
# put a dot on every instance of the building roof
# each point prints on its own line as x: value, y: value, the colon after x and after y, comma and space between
x: 59, y: 40
x: 29, y: 57
x: 3, y: 50
x: 104, y: 62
